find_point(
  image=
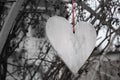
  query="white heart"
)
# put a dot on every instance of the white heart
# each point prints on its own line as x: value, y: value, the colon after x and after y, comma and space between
x: 73, y: 49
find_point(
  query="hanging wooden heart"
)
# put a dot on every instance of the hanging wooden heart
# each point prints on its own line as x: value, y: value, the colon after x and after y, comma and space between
x: 73, y: 49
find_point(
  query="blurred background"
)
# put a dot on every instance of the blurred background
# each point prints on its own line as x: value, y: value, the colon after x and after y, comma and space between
x: 26, y: 54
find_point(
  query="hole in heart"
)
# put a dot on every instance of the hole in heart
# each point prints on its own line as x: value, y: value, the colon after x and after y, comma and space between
x: 73, y: 31
x: 73, y: 28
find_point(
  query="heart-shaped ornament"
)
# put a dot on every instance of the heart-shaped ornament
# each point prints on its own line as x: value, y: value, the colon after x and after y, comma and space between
x: 73, y: 49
